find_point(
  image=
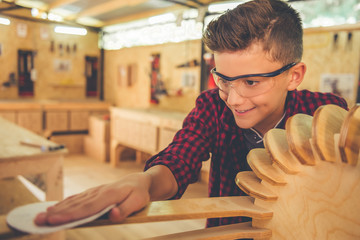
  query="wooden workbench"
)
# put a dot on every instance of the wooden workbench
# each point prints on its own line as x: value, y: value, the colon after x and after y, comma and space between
x: 145, y: 130
x: 17, y: 159
x: 46, y: 116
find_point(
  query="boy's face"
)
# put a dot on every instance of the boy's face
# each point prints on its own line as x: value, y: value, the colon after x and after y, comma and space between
x: 262, y: 111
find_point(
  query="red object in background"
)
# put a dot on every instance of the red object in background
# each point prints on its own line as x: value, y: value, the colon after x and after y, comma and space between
x: 155, y: 69
x: 211, y: 82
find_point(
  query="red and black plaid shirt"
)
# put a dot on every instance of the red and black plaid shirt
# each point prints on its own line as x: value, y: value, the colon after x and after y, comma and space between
x: 210, y: 128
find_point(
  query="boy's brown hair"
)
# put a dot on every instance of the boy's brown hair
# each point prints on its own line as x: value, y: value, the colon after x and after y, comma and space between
x: 273, y: 23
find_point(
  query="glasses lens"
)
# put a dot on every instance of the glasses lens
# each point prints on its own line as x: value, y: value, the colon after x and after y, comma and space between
x: 248, y: 85
x: 221, y: 83
x: 245, y: 87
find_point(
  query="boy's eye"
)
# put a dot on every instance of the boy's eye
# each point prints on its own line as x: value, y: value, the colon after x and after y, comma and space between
x: 223, y: 81
x: 251, y: 82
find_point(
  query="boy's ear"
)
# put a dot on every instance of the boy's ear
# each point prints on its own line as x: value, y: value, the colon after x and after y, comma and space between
x: 296, y: 76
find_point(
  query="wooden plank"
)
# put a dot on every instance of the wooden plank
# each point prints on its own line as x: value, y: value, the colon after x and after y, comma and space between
x: 195, y: 208
x: 232, y: 231
x: 183, y: 209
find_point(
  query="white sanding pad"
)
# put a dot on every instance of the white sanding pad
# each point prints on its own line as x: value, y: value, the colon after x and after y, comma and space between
x: 22, y: 218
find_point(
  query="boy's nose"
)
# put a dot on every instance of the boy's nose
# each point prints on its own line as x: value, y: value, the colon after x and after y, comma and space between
x: 234, y: 98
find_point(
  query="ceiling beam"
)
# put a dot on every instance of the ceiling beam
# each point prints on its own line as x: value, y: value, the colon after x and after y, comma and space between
x: 107, y: 7
x: 182, y: 3
x: 138, y: 16
x: 59, y: 3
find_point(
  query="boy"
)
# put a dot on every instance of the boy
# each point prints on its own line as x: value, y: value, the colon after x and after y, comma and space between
x: 257, y: 49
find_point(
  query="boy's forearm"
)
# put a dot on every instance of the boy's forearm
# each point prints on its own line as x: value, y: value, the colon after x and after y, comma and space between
x: 163, y: 184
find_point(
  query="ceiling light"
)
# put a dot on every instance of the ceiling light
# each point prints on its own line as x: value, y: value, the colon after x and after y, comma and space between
x: 4, y: 21
x: 71, y: 30
x: 222, y: 7
x: 43, y: 15
x: 34, y: 12
x: 163, y: 18
x: 55, y: 17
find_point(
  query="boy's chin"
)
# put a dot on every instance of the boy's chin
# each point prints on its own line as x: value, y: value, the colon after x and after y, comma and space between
x: 244, y: 125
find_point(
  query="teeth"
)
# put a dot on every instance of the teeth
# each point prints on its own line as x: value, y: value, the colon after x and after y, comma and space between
x: 242, y: 111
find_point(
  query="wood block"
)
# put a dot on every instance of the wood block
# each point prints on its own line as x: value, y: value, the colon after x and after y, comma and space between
x: 96, y: 149
x: 73, y: 142
x: 99, y: 128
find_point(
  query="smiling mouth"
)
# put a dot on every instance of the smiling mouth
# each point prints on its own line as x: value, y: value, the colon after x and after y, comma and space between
x: 244, y: 111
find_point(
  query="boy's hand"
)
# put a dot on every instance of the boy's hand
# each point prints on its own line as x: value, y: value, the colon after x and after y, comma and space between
x: 130, y: 194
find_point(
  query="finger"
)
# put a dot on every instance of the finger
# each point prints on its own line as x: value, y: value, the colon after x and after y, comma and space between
x: 131, y: 204
x: 40, y: 219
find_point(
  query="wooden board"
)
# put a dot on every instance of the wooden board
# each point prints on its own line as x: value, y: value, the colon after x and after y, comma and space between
x: 184, y: 209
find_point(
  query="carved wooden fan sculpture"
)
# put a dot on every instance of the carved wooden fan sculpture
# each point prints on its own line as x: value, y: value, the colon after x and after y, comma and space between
x: 312, y: 191
x: 305, y: 184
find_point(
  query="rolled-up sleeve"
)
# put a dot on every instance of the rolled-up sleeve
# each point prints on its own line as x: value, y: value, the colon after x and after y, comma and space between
x: 191, y: 145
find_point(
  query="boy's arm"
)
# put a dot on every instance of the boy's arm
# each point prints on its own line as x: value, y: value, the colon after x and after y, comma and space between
x: 131, y: 193
x: 163, y: 183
